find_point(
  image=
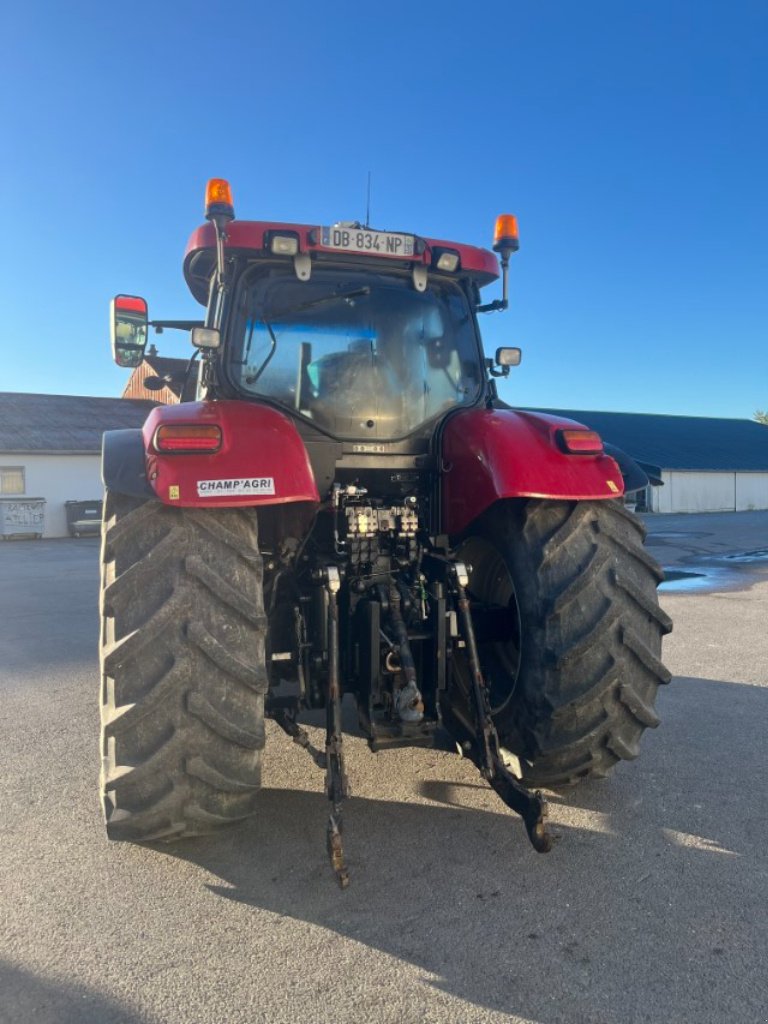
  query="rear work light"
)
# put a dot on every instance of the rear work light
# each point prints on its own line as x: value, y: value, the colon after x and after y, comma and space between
x: 581, y: 442
x: 187, y: 437
x: 284, y: 245
x: 446, y: 259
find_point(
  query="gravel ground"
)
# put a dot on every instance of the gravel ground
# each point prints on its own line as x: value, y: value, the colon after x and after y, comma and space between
x: 651, y: 907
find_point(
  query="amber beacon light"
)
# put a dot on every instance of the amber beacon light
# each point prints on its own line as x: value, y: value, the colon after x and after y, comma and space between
x: 218, y: 200
x: 505, y: 236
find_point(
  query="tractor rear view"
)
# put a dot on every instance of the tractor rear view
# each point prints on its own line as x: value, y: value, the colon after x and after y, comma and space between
x: 347, y: 508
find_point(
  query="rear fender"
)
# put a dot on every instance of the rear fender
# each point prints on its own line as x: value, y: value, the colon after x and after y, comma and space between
x: 261, y: 461
x: 488, y: 454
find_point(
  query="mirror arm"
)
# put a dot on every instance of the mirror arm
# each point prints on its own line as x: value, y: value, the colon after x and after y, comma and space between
x: 174, y: 325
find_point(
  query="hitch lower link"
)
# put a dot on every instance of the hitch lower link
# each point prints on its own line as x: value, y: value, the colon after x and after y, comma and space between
x: 486, y: 750
x: 336, y: 782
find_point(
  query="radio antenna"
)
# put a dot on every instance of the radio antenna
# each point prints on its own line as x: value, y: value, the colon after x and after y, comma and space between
x: 368, y: 203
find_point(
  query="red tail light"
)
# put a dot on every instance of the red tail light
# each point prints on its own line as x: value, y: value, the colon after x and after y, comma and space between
x: 187, y: 437
x: 581, y: 442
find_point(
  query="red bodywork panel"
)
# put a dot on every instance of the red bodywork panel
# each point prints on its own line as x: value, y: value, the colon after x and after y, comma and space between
x: 499, y: 453
x: 244, y: 235
x: 262, y: 459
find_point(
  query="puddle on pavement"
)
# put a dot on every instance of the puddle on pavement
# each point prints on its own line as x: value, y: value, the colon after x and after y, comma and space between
x: 675, y: 575
x: 664, y: 535
x: 761, y: 555
x: 722, y: 572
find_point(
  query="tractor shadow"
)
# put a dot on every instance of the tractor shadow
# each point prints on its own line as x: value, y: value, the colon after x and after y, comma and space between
x: 27, y: 997
x: 648, y: 907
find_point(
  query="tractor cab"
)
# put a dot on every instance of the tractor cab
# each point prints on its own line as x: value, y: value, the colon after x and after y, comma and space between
x: 366, y: 335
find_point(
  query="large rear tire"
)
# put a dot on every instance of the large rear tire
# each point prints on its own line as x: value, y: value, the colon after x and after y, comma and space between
x: 183, y: 668
x: 574, y: 681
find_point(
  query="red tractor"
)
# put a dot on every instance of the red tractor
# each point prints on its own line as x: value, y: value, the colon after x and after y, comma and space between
x: 347, y: 507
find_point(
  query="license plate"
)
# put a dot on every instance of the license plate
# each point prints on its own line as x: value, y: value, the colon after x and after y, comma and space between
x: 382, y: 243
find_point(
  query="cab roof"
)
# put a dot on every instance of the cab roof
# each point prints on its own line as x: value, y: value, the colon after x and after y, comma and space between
x: 253, y: 237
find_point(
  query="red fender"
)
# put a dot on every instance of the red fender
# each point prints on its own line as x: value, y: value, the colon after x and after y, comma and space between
x: 500, y: 453
x: 262, y: 459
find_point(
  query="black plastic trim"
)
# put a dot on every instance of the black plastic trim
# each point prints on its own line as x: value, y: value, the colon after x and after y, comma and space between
x: 123, y: 464
x: 635, y: 478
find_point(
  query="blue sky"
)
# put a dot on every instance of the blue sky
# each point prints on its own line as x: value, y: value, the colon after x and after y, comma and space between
x: 630, y: 138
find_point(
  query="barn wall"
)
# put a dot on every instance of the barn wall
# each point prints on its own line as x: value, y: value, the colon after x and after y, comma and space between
x: 135, y: 387
x: 710, y: 492
x: 702, y: 492
x: 659, y: 496
x: 751, y: 491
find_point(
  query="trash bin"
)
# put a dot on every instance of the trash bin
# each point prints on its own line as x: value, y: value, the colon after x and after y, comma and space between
x: 83, y: 517
x: 22, y: 517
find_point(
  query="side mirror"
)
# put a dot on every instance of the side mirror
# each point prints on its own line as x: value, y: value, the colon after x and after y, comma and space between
x: 130, y: 326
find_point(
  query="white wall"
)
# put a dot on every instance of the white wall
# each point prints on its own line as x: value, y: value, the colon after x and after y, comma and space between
x: 710, y: 492
x: 751, y: 491
x: 702, y: 492
x: 58, y: 478
x: 658, y: 497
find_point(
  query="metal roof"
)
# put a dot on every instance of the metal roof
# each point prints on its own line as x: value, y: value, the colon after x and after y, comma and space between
x: 64, y: 423
x: 681, y: 442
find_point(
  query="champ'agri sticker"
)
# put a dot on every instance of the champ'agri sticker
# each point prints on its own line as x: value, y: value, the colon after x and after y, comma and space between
x: 173, y: 492
x: 256, y: 486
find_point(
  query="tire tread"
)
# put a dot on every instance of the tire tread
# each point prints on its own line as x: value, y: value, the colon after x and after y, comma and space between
x: 591, y: 652
x: 184, y: 671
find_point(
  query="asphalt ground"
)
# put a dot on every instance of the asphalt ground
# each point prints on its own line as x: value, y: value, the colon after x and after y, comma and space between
x: 712, y: 551
x: 651, y: 907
